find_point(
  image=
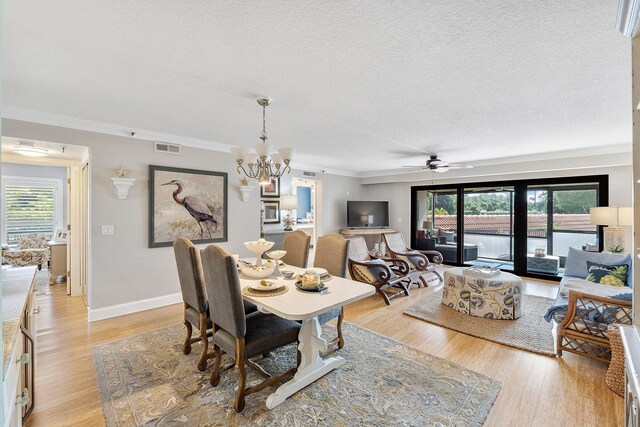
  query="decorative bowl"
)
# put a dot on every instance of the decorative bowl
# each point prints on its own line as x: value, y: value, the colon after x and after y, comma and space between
x: 257, y: 271
x: 258, y: 247
x: 276, y: 254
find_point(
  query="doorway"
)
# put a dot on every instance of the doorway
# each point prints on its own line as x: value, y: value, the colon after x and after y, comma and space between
x: 307, y: 212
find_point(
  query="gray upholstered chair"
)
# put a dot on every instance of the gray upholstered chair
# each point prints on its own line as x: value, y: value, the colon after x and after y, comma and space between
x: 417, y: 260
x: 239, y: 336
x: 381, y: 273
x: 196, y: 305
x: 332, y: 253
x: 296, y: 244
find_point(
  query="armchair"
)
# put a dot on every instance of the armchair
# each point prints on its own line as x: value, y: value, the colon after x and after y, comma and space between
x: 33, y: 249
x: 416, y: 259
x: 377, y: 272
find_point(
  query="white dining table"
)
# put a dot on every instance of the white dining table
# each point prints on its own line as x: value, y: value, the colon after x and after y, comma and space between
x: 306, y: 307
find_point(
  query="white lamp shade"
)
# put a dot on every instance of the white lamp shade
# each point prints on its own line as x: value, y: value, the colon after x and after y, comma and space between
x: 263, y: 149
x: 240, y: 153
x: 276, y: 158
x: 625, y: 216
x: 604, y: 215
x: 288, y: 201
x: 286, y: 153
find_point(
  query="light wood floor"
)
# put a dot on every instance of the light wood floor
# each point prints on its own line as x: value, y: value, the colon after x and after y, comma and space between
x: 536, y: 390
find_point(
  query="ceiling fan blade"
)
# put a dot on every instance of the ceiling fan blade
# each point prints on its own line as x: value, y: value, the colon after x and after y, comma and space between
x: 441, y: 169
x: 459, y: 166
x: 415, y: 167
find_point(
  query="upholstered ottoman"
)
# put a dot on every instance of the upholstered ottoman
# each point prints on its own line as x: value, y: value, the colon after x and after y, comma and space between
x: 498, y: 297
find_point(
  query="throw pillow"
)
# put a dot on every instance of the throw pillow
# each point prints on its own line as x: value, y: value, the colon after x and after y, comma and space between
x: 371, y: 272
x: 612, y: 275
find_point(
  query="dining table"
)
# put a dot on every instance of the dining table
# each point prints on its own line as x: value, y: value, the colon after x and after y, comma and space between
x: 305, y: 307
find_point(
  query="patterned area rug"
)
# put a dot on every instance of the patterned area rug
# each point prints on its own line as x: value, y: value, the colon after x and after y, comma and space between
x: 530, y: 332
x: 146, y: 380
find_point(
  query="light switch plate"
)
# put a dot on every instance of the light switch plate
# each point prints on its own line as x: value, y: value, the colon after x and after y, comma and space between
x: 108, y: 229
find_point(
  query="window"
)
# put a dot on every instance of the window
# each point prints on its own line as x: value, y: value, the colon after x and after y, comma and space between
x: 30, y: 205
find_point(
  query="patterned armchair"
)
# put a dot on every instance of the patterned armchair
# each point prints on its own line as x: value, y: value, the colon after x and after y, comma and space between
x: 32, y: 250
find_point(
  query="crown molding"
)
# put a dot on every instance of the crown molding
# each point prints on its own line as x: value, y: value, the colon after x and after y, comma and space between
x: 627, y: 17
x: 26, y: 115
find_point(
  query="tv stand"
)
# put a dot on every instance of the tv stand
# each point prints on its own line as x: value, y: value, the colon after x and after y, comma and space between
x: 372, y: 235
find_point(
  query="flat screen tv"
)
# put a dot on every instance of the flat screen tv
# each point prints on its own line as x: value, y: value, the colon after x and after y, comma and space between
x: 367, y: 214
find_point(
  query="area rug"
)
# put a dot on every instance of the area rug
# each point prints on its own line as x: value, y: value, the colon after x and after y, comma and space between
x: 530, y: 332
x: 146, y: 380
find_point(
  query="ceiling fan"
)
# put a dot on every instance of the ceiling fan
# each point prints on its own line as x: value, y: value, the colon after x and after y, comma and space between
x: 437, y: 165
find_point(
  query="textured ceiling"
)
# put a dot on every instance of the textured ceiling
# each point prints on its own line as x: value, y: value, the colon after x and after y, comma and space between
x: 357, y: 86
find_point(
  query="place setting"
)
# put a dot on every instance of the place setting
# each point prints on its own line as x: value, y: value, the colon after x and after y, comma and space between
x: 261, y: 269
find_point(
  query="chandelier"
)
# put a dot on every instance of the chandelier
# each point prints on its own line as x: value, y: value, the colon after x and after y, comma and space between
x: 267, y: 165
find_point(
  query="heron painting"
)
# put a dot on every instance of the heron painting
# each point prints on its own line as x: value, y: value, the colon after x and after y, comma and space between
x: 187, y: 203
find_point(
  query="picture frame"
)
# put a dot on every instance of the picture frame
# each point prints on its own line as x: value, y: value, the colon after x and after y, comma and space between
x: 187, y: 203
x: 271, y: 212
x: 272, y: 189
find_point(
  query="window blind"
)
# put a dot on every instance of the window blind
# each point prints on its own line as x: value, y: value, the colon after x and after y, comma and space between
x: 29, y: 209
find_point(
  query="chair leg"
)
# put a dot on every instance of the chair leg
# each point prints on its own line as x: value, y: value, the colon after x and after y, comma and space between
x: 384, y: 296
x: 186, y: 348
x: 440, y: 278
x: 423, y: 281
x: 239, y: 403
x: 202, y: 363
x: 339, y: 327
x: 215, y: 375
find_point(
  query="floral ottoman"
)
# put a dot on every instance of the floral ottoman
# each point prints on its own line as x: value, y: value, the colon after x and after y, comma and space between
x: 498, y: 297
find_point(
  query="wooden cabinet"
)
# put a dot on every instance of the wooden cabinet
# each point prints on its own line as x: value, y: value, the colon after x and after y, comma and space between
x: 58, y: 264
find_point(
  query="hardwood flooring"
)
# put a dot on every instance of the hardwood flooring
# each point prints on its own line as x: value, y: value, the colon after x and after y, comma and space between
x: 536, y: 390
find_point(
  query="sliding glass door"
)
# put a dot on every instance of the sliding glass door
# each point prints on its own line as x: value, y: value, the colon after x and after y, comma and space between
x: 557, y: 219
x: 488, y: 227
x: 524, y: 226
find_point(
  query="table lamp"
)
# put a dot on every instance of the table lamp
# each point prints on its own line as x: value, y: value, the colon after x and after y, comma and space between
x: 614, y: 218
x: 289, y: 202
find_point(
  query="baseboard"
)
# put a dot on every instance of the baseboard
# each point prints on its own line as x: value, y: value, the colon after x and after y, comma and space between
x: 133, y: 307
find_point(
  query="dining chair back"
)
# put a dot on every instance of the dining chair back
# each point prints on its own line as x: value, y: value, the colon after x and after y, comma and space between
x: 222, y: 282
x: 296, y: 244
x: 196, y: 306
x: 332, y: 253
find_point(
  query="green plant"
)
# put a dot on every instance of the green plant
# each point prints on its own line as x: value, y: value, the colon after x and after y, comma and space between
x: 616, y: 249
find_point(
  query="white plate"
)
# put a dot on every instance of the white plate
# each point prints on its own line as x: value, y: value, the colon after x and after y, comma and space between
x: 257, y: 286
x: 320, y: 271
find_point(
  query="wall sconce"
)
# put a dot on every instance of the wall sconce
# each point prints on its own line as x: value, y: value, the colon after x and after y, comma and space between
x: 245, y: 189
x: 122, y: 183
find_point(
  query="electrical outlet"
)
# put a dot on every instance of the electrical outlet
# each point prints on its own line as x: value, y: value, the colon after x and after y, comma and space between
x: 108, y: 229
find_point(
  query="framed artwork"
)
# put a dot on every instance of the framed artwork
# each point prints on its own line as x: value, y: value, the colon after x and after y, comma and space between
x: 271, y: 212
x: 186, y: 203
x: 272, y: 189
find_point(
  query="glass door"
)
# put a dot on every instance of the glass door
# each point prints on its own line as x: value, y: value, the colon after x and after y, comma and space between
x: 557, y: 219
x: 488, y: 227
x: 437, y: 226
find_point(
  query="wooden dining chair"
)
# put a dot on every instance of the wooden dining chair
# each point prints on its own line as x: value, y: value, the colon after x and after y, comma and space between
x: 417, y: 260
x: 237, y: 335
x: 296, y: 244
x: 380, y: 272
x: 332, y: 253
x: 194, y: 296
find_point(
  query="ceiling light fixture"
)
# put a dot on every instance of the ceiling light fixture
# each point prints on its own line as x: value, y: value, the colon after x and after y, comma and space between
x: 267, y: 166
x: 28, y: 148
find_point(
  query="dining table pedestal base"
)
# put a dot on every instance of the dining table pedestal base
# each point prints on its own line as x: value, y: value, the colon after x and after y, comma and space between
x: 312, y: 365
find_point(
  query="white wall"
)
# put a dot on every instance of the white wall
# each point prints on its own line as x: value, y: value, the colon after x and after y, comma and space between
x: 399, y: 193
x: 36, y: 171
x: 125, y: 272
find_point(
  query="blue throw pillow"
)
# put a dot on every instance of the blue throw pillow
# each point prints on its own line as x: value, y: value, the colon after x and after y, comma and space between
x: 612, y: 275
x: 576, y: 264
x: 371, y: 265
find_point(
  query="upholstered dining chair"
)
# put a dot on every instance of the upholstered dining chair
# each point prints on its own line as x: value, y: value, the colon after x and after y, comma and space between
x: 332, y: 253
x: 296, y: 244
x: 417, y: 260
x: 239, y: 336
x: 380, y: 272
x: 194, y: 296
